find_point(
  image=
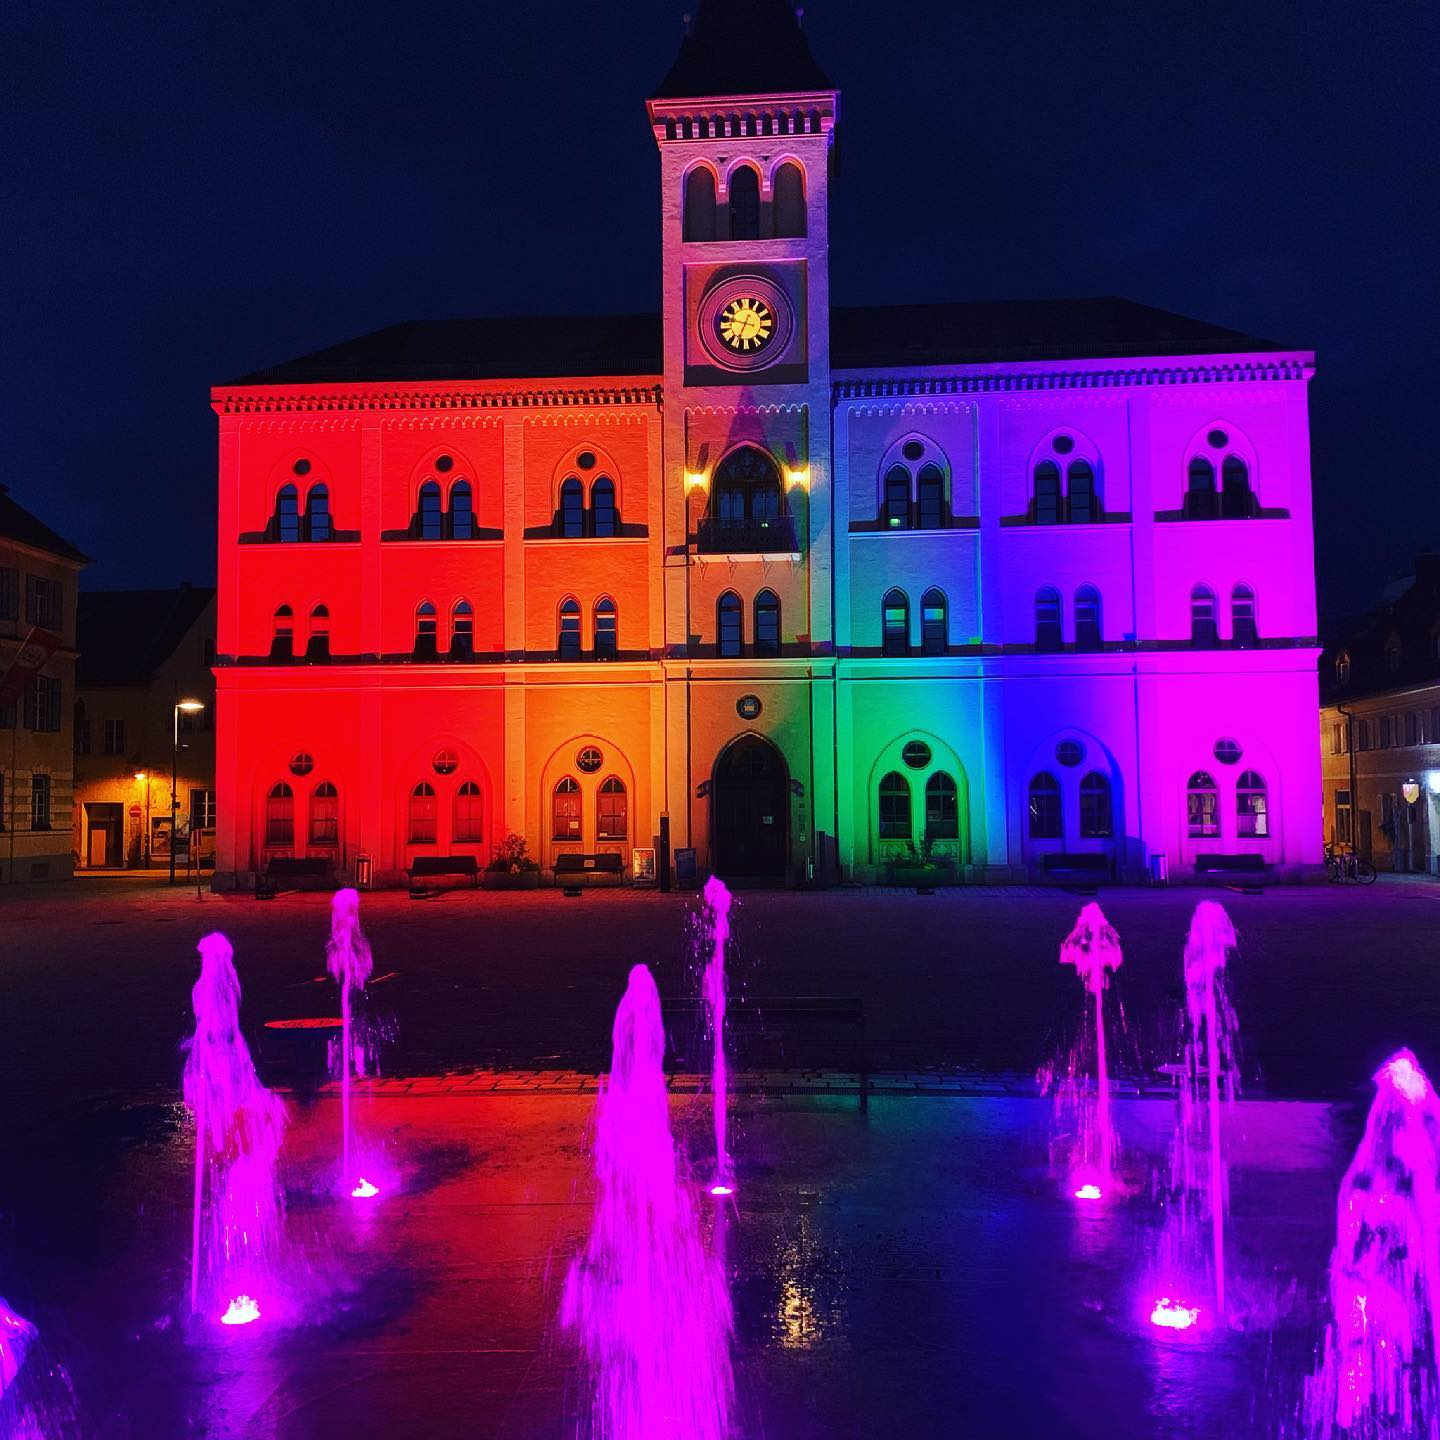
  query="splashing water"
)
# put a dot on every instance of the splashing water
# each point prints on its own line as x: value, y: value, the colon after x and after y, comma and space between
x: 37, y: 1399
x: 650, y: 1304
x: 16, y: 1336
x: 1093, y: 948
x: 238, y: 1126
x: 717, y: 902
x: 1378, y: 1378
x: 348, y: 959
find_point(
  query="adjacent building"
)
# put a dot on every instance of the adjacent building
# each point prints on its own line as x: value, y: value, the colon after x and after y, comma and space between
x: 39, y: 578
x: 142, y: 652
x: 1008, y: 587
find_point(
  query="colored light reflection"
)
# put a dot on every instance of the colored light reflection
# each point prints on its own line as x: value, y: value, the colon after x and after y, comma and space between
x: 364, y: 1190
x: 1171, y: 1315
x: 1089, y: 1192
x: 242, y: 1311
x: 722, y: 1190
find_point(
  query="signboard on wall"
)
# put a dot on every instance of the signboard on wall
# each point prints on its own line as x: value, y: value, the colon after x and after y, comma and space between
x: 642, y: 861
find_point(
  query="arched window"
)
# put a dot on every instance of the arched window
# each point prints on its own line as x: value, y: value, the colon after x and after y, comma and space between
x: 1200, y: 498
x: 469, y: 815
x: 317, y: 648
x: 934, y: 623
x: 1096, y: 820
x: 1082, y: 503
x: 897, y: 498
x: 280, y: 815
x: 729, y: 626
x: 565, y: 810
x: 930, y: 498
x: 287, y: 514
x: 1047, y: 493
x: 1243, y: 628
x: 426, y: 630
x: 700, y: 204
x: 745, y: 204
x: 1237, y: 502
x: 1048, y: 632
x: 572, y: 508
x: 282, y: 640
x: 607, y: 627
x: 789, y: 201
x: 1204, y: 629
x: 1342, y: 668
x: 325, y: 815
x: 942, y: 809
x: 895, y: 623
x: 462, y: 511
x: 613, y: 819
x: 604, y: 520
x: 895, y: 807
x: 1252, y: 815
x: 462, y: 631
x: 767, y: 624
x: 430, y: 522
x: 747, y: 491
x: 1047, y: 820
x: 1202, y: 806
x: 568, y: 643
x: 422, y: 814
x: 1087, y: 618
x: 317, y: 513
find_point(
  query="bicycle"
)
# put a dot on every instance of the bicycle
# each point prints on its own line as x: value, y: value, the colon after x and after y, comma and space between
x: 1345, y: 867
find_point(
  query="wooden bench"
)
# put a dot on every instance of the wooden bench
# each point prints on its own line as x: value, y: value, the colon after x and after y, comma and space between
x: 425, y: 868
x: 573, y: 871
x: 301, y: 872
x: 1084, y: 870
x: 1244, y: 873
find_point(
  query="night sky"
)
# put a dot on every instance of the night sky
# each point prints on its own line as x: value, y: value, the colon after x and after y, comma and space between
x: 191, y: 192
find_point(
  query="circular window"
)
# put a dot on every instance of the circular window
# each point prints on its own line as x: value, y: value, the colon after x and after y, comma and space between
x: 1218, y: 438
x: 1070, y: 753
x: 916, y: 754
x: 589, y: 759
x: 446, y: 762
x: 302, y: 764
x: 444, y: 463
x: 912, y: 450
x: 1227, y: 751
x: 748, y: 707
x: 301, y: 467
x: 1063, y: 444
x: 586, y: 459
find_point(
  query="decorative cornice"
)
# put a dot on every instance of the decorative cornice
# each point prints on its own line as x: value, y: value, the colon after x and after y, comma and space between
x: 375, y: 399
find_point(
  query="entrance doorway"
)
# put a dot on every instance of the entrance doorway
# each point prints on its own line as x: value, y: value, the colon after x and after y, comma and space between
x: 105, y: 838
x: 751, y: 811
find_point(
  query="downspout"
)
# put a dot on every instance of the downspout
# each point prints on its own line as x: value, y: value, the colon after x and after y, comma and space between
x: 1354, y: 788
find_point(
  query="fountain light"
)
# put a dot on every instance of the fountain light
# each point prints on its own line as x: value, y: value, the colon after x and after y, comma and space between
x: 242, y: 1311
x: 721, y: 1189
x: 364, y: 1190
x: 1089, y: 1191
x: 1172, y: 1315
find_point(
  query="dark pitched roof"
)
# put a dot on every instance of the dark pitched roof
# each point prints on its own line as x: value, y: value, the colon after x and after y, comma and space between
x: 125, y: 636
x: 869, y: 337
x: 743, y: 47
x: 1412, y: 617
x: 17, y: 523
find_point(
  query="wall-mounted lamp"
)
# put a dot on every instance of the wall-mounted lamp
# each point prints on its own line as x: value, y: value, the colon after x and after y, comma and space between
x: 798, y: 476
x: 696, y: 480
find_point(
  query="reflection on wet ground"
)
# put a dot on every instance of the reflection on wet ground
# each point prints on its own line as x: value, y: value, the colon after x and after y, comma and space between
x: 912, y: 1271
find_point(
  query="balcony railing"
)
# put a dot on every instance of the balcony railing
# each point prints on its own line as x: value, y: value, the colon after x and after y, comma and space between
x: 746, y: 537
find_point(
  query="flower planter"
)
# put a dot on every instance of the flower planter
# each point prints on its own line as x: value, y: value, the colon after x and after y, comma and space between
x: 504, y: 880
x: 923, y: 877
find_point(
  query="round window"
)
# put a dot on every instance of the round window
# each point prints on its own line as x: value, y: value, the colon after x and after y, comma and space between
x: 446, y: 762
x: 916, y: 754
x: 444, y: 463
x: 1070, y: 753
x: 302, y: 764
x: 748, y: 707
x: 1218, y: 438
x: 301, y: 467
x: 589, y: 759
x: 1227, y: 751
x: 912, y: 450
x: 586, y: 459
x: 1063, y: 444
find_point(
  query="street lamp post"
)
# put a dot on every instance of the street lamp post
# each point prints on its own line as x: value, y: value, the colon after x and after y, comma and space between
x: 189, y: 707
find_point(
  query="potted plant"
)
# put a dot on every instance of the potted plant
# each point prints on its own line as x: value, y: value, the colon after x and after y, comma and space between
x: 512, y: 868
x: 922, y: 867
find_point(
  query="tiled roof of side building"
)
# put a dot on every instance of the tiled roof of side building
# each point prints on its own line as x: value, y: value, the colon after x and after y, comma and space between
x: 743, y: 47
x: 125, y: 636
x: 869, y: 337
x: 17, y: 523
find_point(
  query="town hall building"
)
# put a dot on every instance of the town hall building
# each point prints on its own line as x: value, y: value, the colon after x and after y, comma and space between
x: 1018, y: 589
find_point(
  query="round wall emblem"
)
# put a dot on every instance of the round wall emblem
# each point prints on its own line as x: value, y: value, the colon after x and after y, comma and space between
x: 745, y: 322
x: 748, y: 707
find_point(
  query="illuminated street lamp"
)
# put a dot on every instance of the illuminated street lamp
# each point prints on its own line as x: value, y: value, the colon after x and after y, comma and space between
x: 190, y: 707
x: 142, y: 778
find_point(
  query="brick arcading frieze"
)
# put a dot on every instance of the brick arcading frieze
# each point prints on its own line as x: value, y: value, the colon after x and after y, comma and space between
x: 272, y: 402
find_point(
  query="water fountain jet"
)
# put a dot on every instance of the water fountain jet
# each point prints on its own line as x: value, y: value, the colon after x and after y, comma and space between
x: 348, y: 959
x: 717, y: 903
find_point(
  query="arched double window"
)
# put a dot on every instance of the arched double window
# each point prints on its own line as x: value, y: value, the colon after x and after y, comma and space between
x: 699, y: 216
x: 422, y: 814
x: 1047, y: 819
x: 1204, y: 628
x: 729, y: 626
x: 287, y: 515
x: 942, y: 808
x: 1096, y: 818
x: 429, y: 516
x: 572, y: 508
x: 1233, y: 498
x: 767, y: 625
x: 895, y: 823
x: 317, y: 647
x: 282, y: 636
x: 1252, y: 810
x: 607, y: 629
x: 469, y: 826
x: 897, y: 498
x: 427, y: 626
x: 613, y: 815
x: 1202, y: 806
x: 1049, y: 634
x: 1087, y: 618
x: 280, y: 815
x: 325, y: 815
x: 567, y: 645
x: 934, y: 623
x: 317, y: 514
x: 462, y: 511
x: 565, y: 809
x: 604, y: 518
x: 745, y: 204
x: 1073, y: 496
x: 788, y: 187
x: 895, y: 623
x: 1243, y: 627
x: 462, y: 631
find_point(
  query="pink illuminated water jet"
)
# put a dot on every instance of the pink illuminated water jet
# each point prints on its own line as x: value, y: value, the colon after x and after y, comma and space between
x: 236, y: 1221
x: 717, y: 903
x: 348, y: 959
x: 649, y: 1303
x: 16, y: 1337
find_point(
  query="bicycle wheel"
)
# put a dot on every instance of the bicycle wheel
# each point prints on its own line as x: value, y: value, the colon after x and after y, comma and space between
x: 1365, y: 873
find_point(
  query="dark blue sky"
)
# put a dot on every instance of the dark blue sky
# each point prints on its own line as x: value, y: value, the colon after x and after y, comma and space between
x: 195, y: 191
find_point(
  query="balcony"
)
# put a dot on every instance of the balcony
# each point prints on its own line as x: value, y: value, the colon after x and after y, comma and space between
x: 746, y: 537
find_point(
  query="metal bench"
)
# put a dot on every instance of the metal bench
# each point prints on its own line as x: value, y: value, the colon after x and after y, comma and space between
x: 1239, y: 872
x: 425, y: 868
x: 1082, y: 870
x: 574, y: 871
x: 302, y: 872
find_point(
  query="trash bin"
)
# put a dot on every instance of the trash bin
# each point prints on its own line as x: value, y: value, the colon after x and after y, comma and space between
x: 1160, y: 868
x: 363, y: 867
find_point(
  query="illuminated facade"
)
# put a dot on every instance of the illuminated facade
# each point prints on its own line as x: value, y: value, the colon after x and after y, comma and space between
x: 1003, y: 584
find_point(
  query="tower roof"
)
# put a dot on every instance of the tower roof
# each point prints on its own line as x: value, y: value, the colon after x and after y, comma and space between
x: 743, y: 47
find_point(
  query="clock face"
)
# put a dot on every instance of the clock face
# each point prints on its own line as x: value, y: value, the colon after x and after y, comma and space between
x: 746, y: 324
